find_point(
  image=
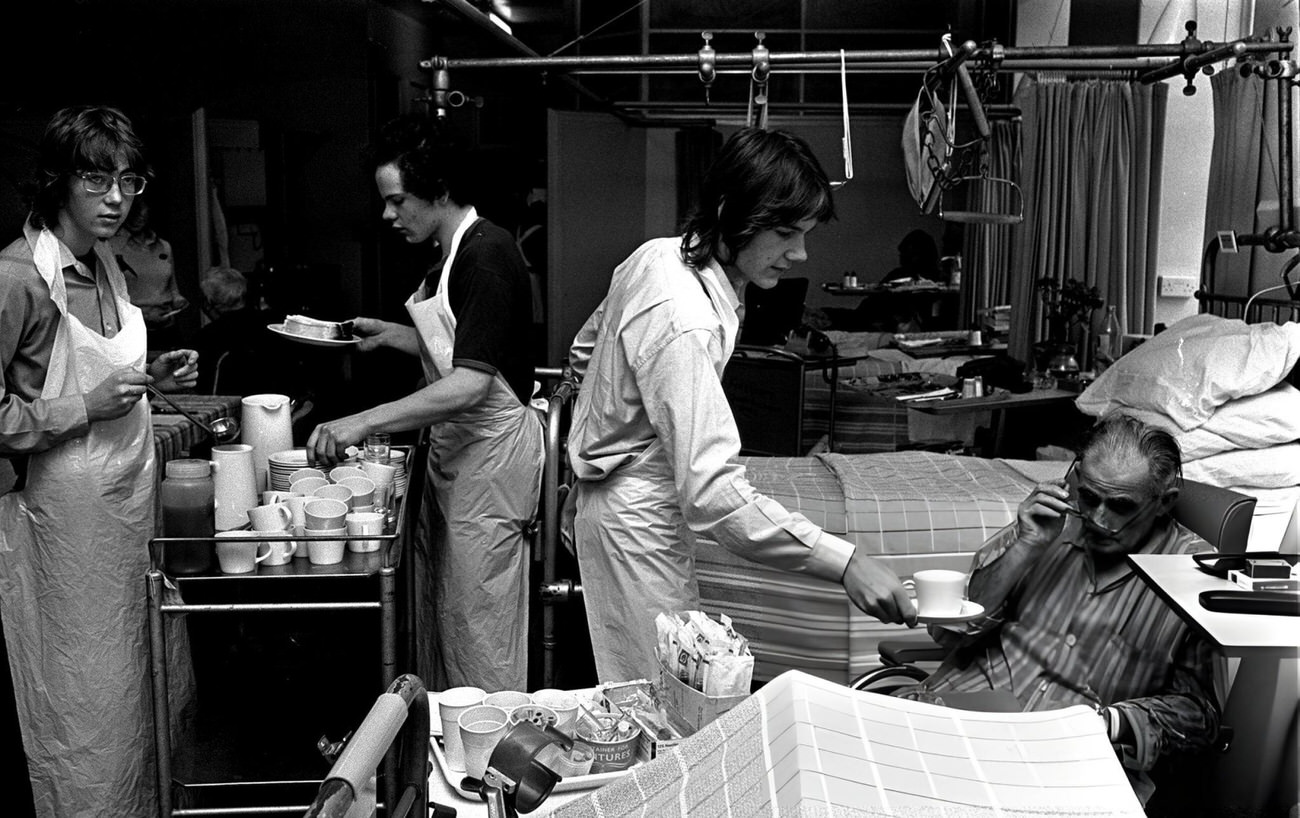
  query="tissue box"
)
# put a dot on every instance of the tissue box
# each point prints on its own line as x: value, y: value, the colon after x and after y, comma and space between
x: 694, y: 708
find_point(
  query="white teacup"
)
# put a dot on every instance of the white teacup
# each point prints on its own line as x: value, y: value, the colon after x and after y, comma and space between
x: 939, y: 591
x: 326, y: 552
x: 275, y: 517
x: 339, y: 473
x: 237, y: 551
x: 363, y: 490
x: 335, y: 492
x: 359, y: 525
x: 297, y: 504
x: 321, y: 514
x: 306, y: 485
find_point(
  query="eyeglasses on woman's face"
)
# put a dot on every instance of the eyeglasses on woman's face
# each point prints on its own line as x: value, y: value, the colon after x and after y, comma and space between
x: 98, y: 181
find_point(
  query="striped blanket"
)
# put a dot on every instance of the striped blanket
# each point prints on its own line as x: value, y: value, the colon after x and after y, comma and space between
x: 915, y: 509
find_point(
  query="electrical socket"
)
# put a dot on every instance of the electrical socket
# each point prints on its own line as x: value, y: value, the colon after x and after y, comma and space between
x: 1177, y: 286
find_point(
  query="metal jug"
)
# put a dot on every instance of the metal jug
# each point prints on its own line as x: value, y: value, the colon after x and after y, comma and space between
x: 267, y: 426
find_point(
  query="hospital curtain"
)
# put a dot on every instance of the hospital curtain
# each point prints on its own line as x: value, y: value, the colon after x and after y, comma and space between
x: 1092, y: 153
x: 1243, y: 194
x: 988, y: 248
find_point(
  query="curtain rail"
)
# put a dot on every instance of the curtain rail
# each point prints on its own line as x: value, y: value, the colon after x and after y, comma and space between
x: 1103, y: 56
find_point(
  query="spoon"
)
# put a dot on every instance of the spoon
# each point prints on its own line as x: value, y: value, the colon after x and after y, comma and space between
x: 220, y: 429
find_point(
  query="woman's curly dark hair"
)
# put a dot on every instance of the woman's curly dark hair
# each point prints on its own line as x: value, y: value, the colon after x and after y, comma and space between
x: 761, y: 180
x: 80, y: 138
x: 428, y: 158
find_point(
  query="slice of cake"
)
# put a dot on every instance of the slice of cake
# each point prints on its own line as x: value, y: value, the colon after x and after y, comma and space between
x: 315, y: 328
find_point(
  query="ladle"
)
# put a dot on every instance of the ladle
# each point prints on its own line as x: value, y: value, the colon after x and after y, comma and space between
x: 220, y: 429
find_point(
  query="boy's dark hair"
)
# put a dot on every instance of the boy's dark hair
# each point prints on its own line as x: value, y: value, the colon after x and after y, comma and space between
x: 80, y: 138
x: 429, y: 161
x: 761, y: 180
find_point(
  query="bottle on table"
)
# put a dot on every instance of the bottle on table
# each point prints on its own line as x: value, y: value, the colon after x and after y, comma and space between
x: 1110, y: 337
x: 188, y: 510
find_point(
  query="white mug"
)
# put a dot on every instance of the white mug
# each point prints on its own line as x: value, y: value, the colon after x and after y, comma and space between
x: 237, y: 551
x: 275, y: 517
x: 360, y: 524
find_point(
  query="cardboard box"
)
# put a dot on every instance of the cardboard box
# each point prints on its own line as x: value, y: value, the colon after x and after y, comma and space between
x: 695, y: 709
x: 1264, y: 583
x: 1268, y: 568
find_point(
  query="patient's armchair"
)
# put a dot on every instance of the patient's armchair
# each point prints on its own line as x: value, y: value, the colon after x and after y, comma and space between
x: 1220, y: 516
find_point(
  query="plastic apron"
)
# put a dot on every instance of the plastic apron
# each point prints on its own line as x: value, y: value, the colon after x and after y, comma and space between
x: 73, y: 558
x: 472, y: 550
x: 636, y: 553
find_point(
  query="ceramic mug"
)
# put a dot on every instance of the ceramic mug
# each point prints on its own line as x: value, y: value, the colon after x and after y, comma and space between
x: 237, y: 551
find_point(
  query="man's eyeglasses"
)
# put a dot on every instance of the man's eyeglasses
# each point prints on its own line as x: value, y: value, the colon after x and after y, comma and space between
x: 131, y: 184
x: 1084, y: 503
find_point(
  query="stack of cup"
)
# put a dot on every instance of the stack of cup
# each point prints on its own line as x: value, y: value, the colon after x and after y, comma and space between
x: 383, y: 477
x: 325, y: 517
x: 363, y: 492
x: 451, y: 703
x: 274, y: 520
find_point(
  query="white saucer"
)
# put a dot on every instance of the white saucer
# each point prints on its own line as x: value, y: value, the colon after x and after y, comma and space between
x: 969, y: 610
x: 278, y: 329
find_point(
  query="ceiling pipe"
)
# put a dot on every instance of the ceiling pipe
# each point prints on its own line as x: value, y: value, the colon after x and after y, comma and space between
x: 473, y: 15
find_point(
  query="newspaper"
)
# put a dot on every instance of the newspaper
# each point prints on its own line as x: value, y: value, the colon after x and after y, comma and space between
x: 806, y: 746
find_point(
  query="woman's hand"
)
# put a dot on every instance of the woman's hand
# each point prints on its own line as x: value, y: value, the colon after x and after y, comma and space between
x: 175, y: 370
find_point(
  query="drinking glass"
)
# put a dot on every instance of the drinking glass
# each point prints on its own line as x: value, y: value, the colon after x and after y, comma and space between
x: 377, y: 447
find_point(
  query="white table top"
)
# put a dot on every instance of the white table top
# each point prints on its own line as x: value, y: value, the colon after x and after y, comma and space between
x: 1177, y: 579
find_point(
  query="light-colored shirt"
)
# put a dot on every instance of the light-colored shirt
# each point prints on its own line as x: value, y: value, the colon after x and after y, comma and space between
x: 1057, y: 641
x: 28, y: 322
x: 650, y: 359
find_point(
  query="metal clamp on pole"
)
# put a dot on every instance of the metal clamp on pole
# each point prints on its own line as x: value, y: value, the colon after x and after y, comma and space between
x: 708, y: 64
x: 756, y: 113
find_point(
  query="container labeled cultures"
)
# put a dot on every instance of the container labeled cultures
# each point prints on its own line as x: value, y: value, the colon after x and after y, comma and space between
x: 188, y: 502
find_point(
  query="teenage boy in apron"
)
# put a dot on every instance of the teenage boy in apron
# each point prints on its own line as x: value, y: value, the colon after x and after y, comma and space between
x: 471, y: 318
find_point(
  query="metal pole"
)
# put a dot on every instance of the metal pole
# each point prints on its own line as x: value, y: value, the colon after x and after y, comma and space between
x: 918, y: 56
x: 161, y: 707
x: 388, y: 660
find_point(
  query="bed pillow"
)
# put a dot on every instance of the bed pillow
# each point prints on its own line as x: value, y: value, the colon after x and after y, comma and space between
x: 1254, y: 422
x: 1272, y: 468
x: 1194, y: 367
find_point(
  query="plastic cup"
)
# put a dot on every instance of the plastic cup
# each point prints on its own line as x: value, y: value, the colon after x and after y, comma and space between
x: 481, y: 727
x: 507, y: 700
x: 451, y: 703
x: 565, y: 705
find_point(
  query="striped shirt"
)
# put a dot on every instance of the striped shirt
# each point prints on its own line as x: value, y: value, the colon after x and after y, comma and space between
x: 1055, y: 642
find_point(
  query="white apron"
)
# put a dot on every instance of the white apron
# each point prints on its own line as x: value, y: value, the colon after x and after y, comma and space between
x: 73, y: 558
x: 472, y: 551
x: 636, y: 553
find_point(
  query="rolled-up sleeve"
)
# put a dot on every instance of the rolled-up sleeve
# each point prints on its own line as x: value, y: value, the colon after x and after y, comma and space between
x: 691, y: 417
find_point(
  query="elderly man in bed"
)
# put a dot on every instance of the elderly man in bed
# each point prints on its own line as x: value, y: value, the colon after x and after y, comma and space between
x: 1070, y: 623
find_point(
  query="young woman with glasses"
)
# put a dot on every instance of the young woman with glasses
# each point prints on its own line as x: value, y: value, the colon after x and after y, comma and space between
x: 78, y: 504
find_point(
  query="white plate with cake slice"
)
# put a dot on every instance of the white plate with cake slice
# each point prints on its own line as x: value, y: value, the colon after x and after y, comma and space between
x: 280, y: 330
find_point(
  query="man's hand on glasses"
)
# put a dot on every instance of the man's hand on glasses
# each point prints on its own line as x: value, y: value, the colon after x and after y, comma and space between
x: 1042, y: 514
